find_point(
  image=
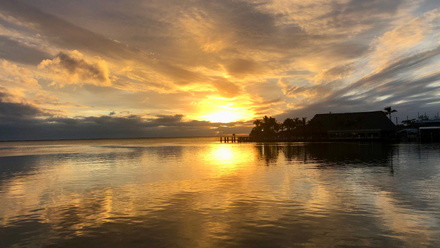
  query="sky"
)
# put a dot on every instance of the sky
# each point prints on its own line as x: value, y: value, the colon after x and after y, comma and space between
x: 165, y: 68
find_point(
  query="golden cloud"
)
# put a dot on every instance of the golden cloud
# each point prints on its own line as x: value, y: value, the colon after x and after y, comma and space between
x: 72, y: 68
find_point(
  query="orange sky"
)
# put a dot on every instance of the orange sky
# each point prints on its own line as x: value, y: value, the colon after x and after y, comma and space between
x: 98, y: 68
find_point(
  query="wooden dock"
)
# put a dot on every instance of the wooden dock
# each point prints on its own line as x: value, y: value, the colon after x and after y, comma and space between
x: 233, y: 138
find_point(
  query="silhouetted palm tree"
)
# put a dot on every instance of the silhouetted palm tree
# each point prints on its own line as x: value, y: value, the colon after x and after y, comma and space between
x: 288, y: 124
x: 265, y: 129
x: 271, y: 126
x: 388, y: 110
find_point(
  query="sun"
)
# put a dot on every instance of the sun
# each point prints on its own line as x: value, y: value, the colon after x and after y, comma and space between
x: 223, y: 116
x: 222, y: 110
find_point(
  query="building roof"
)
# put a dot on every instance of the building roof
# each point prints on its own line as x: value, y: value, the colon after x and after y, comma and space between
x: 376, y: 120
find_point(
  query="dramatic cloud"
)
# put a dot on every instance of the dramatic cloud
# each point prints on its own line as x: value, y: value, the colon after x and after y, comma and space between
x: 198, y: 62
x: 23, y: 121
x: 25, y: 126
x: 11, y: 111
x: 395, y: 85
x: 74, y: 69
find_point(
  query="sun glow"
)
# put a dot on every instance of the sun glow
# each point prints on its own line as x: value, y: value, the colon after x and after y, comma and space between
x: 222, y: 110
x: 225, y: 159
x: 223, y: 116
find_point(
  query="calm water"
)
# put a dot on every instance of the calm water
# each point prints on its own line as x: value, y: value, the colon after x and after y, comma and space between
x: 201, y: 193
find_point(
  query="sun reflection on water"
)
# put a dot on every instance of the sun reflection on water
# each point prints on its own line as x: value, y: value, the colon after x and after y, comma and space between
x: 222, y: 154
x: 215, y: 194
x: 227, y: 158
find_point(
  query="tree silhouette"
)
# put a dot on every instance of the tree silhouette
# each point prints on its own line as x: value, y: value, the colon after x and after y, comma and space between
x: 270, y: 126
x: 288, y: 124
x: 266, y: 129
x: 388, y: 110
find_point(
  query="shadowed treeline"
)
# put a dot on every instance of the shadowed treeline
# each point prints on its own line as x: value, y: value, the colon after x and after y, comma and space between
x: 268, y: 129
x: 328, y: 154
x: 365, y: 126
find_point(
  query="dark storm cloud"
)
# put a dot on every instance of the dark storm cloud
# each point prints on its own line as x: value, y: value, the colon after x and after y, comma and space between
x: 11, y: 111
x: 163, y: 120
x: 16, y: 51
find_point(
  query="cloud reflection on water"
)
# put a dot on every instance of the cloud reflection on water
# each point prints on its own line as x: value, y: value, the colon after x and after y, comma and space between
x: 219, y: 195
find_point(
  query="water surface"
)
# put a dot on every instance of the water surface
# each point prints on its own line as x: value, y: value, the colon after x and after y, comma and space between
x: 201, y: 193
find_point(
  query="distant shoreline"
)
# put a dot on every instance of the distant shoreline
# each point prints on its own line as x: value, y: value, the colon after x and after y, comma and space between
x: 43, y: 140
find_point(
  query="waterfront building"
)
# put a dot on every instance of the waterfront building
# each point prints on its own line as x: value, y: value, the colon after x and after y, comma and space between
x: 351, y: 126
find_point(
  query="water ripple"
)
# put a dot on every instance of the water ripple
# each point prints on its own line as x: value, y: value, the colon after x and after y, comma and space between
x: 207, y: 194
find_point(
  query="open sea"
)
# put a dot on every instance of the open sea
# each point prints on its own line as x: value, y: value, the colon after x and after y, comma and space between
x: 198, y: 192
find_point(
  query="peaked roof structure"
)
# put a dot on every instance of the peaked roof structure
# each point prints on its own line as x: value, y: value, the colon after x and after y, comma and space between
x: 376, y: 120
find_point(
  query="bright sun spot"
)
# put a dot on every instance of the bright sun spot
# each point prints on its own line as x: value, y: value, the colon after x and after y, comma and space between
x: 223, y: 117
x: 223, y: 111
